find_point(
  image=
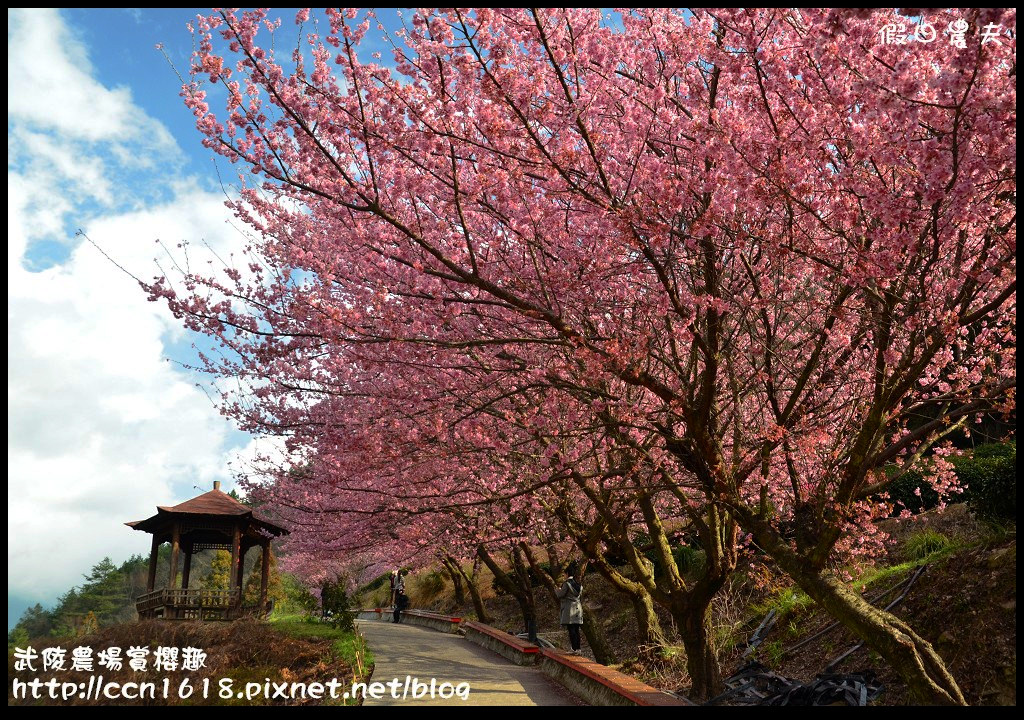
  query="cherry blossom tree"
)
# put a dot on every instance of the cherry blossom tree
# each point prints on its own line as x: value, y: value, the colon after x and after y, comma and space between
x: 776, y: 253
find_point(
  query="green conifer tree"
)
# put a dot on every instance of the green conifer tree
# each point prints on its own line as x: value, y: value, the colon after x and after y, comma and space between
x: 219, y: 576
x: 275, y: 589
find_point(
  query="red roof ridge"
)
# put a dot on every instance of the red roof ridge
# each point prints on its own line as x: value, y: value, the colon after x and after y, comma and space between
x: 213, y: 502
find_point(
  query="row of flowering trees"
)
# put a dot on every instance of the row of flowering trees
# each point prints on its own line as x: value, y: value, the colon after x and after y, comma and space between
x: 552, y: 275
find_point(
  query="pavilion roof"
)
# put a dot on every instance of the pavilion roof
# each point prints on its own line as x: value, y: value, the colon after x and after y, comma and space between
x: 212, y: 503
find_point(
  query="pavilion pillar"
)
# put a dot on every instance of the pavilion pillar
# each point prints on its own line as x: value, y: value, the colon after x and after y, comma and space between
x: 175, y: 551
x: 154, y: 553
x: 265, y: 577
x: 236, y: 557
x: 241, y: 566
x: 187, y: 570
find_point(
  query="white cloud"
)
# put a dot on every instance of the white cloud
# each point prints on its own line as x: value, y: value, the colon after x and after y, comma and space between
x: 50, y: 85
x: 101, y: 428
x: 77, y: 145
x: 49, y: 155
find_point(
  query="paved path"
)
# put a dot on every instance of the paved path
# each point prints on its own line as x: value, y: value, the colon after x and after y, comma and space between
x: 401, y: 651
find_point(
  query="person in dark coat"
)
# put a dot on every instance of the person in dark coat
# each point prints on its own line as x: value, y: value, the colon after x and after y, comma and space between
x: 401, y: 599
x: 572, y: 606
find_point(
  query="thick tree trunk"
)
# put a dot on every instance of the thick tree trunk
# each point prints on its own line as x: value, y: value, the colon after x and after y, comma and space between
x: 652, y: 639
x: 451, y: 567
x: 529, y: 612
x: 518, y: 588
x: 596, y: 638
x: 690, y: 603
x: 910, y: 655
x: 526, y: 599
x: 554, y: 562
x: 697, y: 633
x: 460, y: 593
x: 474, y: 593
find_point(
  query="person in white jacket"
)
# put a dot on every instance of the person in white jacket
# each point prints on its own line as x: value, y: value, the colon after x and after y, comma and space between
x: 572, y: 606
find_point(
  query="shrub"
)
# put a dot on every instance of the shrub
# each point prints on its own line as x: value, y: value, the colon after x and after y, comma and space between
x: 913, y: 493
x: 787, y: 602
x: 689, y: 558
x: 770, y: 652
x: 922, y: 544
x: 991, y: 480
x: 690, y: 561
x: 298, y: 598
x: 18, y: 637
x: 498, y: 589
x: 381, y: 581
x: 336, y: 605
x: 997, y: 450
x: 536, y: 579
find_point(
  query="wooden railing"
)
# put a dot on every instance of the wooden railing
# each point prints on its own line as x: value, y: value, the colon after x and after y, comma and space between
x: 204, y: 598
x: 150, y: 600
x: 152, y: 603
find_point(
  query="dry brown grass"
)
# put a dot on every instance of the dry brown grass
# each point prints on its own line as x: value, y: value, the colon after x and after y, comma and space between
x: 245, y: 651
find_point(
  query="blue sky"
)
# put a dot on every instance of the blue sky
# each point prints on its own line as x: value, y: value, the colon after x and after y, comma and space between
x: 104, y: 422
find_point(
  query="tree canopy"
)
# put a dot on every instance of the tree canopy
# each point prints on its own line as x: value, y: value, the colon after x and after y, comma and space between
x: 554, y: 274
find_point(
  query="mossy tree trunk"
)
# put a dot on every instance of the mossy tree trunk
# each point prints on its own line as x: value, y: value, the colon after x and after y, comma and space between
x: 910, y: 655
x: 474, y: 589
x: 697, y: 633
x: 450, y: 565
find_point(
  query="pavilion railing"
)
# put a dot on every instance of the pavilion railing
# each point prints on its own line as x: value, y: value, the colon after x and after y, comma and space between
x: 150, y: 602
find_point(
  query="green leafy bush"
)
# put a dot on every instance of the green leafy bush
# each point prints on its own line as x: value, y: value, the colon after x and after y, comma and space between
x: 536, y: 579
x: 498, y: 589
x: 336, y: 605
x: 788, y: 601
x: 689, y: 560
x: 997, y: 450
x: 991, y: 480
x: 378, y: 582
x: 18, y: 637
x: 298, y: 598
x: 912, y: 492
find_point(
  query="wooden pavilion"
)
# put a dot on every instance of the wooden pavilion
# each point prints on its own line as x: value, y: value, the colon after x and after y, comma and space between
x: 211, y: 521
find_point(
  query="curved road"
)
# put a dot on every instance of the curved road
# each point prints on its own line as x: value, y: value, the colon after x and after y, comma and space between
x: 402, y: 651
